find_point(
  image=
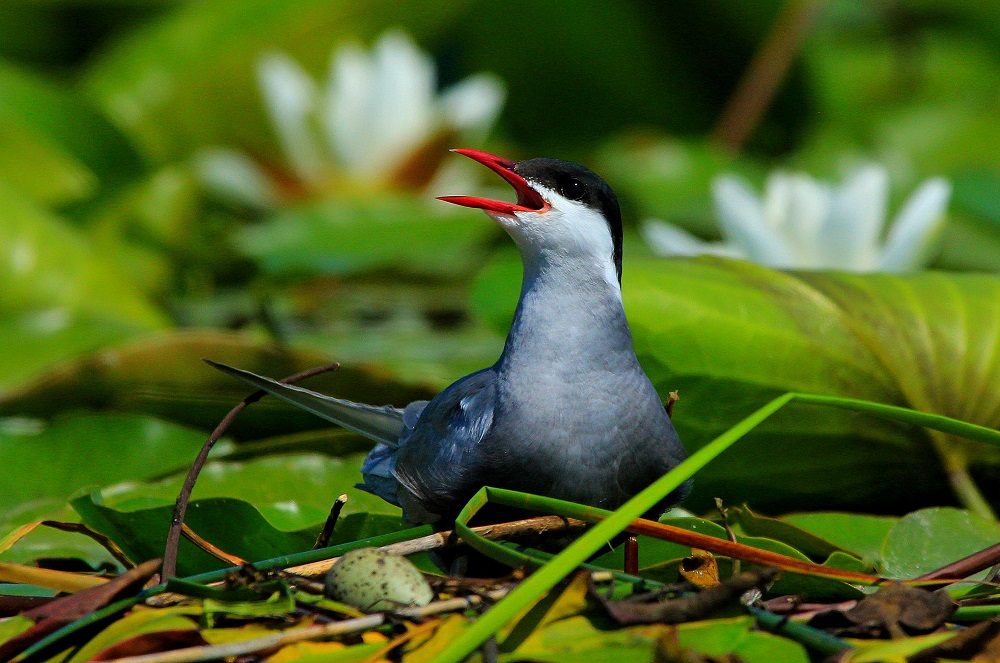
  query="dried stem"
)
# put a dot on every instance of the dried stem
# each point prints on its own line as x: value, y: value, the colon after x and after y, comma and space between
x: 766, y: 72
x: 672, y: 398
x: 323, y: 540
x: 211, y: 549
x: 180, y: 506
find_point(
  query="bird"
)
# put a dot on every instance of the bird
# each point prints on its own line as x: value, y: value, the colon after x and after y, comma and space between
x: 566, y: 411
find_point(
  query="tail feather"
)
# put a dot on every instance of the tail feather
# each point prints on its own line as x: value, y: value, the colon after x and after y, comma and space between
x: 383, y: 424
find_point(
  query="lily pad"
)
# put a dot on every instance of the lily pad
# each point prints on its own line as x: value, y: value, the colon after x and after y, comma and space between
x: 931, y: 538
x: 857, y: 532
x: 76, y: 451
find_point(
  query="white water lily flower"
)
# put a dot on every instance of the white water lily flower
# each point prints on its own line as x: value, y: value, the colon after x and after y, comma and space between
x: 374, y: 113
x: 801, y: 223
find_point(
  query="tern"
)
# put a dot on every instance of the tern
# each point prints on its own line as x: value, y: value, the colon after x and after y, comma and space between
x: 566, y: 411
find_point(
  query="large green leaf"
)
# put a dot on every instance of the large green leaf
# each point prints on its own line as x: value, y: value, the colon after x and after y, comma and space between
x: 48, y: 263
x: 857, y: 532
x: 345, y: 234
x: 928, y: 539
x: 166, y: 82
x: 73, y: 452
x: 164, y: 375
x: 291, y: 490
x: 233, y: 525
x: 47, y: 337
x: 731, y: 335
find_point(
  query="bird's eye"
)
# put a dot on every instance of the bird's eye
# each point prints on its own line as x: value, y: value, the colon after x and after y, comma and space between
x: 572, y: 188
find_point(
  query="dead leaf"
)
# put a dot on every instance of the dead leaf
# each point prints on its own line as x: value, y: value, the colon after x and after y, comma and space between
x: 895, y: 607
x: 55, y: 614
x: 700, y: 568
x: 896, y: 610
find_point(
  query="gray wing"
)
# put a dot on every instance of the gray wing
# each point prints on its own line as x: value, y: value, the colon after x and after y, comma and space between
x: 383, y: 424
x: 440, y: 462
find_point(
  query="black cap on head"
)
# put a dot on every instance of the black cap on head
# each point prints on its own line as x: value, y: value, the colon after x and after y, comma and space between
x: 574, y: 182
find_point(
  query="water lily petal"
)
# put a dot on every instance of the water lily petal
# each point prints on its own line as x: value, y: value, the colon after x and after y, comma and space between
x: 291, y: 98
x: 916, y: 228
x: 796, y: 206
x: 474, y: 104
x: 667, y: 239
x: 850, y: 237
x: 741, y: 218
x: 236, y: 177
x: 346, y: 115
x: 403, y: 102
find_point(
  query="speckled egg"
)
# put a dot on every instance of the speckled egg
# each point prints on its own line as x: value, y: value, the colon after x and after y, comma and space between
x: 372, y: 580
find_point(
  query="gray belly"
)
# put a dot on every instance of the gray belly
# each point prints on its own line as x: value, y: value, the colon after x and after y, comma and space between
x: 576, y: 442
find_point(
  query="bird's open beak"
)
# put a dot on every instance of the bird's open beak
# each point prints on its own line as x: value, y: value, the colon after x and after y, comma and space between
x: 528, y: 200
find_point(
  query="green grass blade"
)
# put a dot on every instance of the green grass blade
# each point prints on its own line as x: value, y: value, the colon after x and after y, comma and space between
x: 907, y: 416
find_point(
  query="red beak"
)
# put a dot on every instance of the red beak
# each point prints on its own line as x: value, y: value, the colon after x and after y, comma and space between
x: 528, y: 200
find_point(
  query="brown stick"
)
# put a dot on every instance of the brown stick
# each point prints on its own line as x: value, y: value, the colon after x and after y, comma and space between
x: 766, y: 72
x: 966, y: 566
x: 632, y: 556
x: 169, y: 568
x: 323, y: 540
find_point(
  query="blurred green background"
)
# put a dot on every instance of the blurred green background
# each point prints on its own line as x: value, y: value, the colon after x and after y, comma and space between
x: 152, y: 212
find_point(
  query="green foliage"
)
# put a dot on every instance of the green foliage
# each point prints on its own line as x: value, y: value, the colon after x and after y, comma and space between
x: 401, y: 233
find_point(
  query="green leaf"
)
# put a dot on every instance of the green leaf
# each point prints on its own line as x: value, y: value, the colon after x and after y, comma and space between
x: 31, y: 164
x: 88, y: 150
x: 895, y: 651
x: 291, y: 490
x: 859, y: 533
x: 45, y: 264
x: 232, y: 525
x: 718, y: 637
x: 745, y: 521
x: 931, y: 538
x: 90, y: 450
x: 167, y: 81
x: 164, y: 375
x: 343, y: 235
